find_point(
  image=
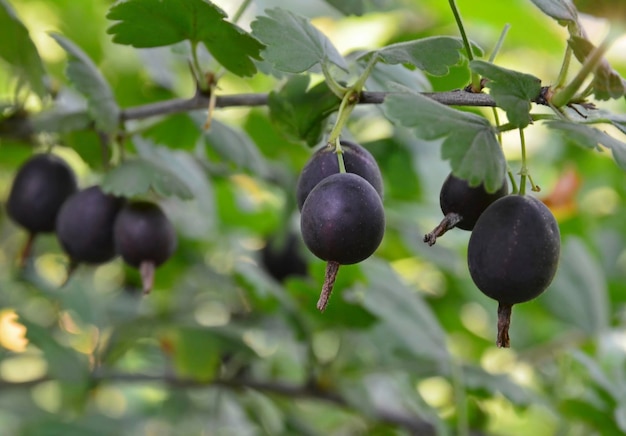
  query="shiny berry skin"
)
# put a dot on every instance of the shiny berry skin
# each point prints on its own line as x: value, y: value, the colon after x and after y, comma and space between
x: 143, y: 233
x: 39, y: 189
x: 342, y: 219
x: 324, y: 163
x: 85, y: 225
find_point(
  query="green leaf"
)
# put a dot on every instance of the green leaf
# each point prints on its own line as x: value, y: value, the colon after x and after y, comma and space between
x: 137, y: 176
x: 348, y: 7
x: 233, y: 145
x: 478, y: 381
x: 590, y: 137
x: 293, y: 44
x: 58, y: 120
x: 155, y: 23
x: 469, y: 141
x: 197, y: 353
x: 18, y: 50
x: 90, y: 82
x: 300, y: 111
x: 578, y: 294
x: 434, y: 55
x: 607, y: 83
x: 513, y: 91
x: 63, y: 363
x: 404, y: 311
x: 560, y: 10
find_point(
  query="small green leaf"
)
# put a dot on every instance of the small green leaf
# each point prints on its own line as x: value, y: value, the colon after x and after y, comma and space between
x: 434, y: 55
x: 404, y: 311
x: 233, y: 145
x: 590, y: 137
x: 513, y: 91
x: 59, y: 120
x: 63, y: 363
x: 560, y: 10
x: 293, y: 44
x: 607, y: 83
x: 155, y: 23
x: 18, y: 50
x: 578, y: 294
x: 90, y: 82
x: 300, y: 111
x: 469, y: 141
x: 137, y: 176
x: 197, y: 353
x: 348, y: 7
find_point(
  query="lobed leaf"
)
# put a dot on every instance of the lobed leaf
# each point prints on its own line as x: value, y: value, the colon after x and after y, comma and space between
x: 513, y: 91
x: 19, y: 51
x: 90, y: 82
x: 300, y: 112
x: 579, y: 293
x: 155, y: 23
x: 293, y: 44
x: 348, y: 7
x: 590, y: 137
x: 560, y: 10
x: 404, y: 311
x: 434, y: 54
x: 137, y: 176
x: 469, y: 141
x: 607, y: 83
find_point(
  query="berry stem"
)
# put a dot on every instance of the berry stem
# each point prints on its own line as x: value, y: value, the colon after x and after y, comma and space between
x: 496, y: 117
x: 147, y: 269
x: 26, y: 250
x: 468, y: 48
x: 240, y: 10
x: 564, y: 95
x: 332, y: 268
x: 339, y: 152
x: 504, y: 321
x: 524, y: 169
x: 447, y: 223
x: 498, y: 46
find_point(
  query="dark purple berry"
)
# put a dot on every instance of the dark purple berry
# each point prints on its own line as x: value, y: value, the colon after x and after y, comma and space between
x: 85, y: 225
x: 324, y: 163
x: 462, y: 204
x: 282, y: 257
x: 39, y: 189
x: 513, y: 254
x: 144, y: 237
x: 342, y: 222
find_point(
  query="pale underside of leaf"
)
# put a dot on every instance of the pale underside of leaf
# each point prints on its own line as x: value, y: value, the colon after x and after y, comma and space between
x: 434, y: 54
x: 90, y: 82
x: 293, y: 44
x: 18, y: 50
x: 469, y: 141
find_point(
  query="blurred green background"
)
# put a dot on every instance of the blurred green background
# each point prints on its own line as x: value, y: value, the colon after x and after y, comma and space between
x: 221, y: 347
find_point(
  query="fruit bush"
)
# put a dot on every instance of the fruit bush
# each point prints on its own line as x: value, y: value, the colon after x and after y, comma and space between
x: 181, y: 180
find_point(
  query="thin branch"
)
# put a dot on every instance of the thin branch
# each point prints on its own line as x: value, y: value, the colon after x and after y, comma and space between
x: 201, y: 101
x: 413, y: 424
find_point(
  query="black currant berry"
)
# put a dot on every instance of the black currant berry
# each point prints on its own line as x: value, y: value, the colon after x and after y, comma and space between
x: 462, y: 205
x: 342, y: 222
x: 145, y: 238
x: 85, y: 226
x: 324, y: 163
x: 39, y: 189
x: 282, y: 257
x: 513, y: 254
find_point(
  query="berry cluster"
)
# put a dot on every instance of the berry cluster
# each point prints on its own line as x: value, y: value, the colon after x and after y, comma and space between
x: 514, y: 248
x: 92, y: 227
x: 341, y: 211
